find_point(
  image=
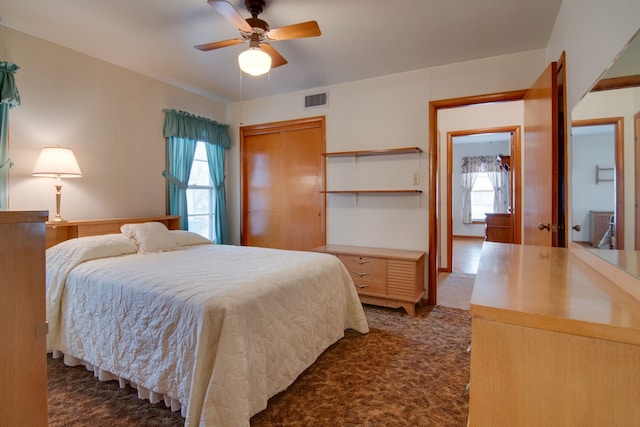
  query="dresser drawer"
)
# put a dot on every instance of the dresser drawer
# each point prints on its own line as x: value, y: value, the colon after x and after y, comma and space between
x: 366, y: 268
x: 368, y: 286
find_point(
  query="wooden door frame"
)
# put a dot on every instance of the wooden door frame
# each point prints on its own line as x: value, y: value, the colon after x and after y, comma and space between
x: 636, y: 178
x: 514, y: 182
x: 434, y: 167
x: 618, y: 147
x: 277, y: 127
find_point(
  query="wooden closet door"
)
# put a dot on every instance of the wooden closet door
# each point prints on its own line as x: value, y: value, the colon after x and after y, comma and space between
x: 282, y: 180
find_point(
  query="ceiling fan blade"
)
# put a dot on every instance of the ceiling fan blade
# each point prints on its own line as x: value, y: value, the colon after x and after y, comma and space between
x: 295, y: 31
x: 217, y: 45
x: 276, y: 59
x: 227, y: 10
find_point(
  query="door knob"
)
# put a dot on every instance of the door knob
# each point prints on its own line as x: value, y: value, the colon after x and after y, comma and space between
x: 577, y: 227
x: 544, y: 227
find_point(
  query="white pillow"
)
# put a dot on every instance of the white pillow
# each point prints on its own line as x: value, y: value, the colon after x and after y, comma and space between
x: 189, y: 238
x: 92, y: 247
x: 150, y: 237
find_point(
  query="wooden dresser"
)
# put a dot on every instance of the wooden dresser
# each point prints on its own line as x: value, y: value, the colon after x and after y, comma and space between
x: 387, y: 277
x: 23, y: 328
x: 554, y: 342
x: 498, y: 228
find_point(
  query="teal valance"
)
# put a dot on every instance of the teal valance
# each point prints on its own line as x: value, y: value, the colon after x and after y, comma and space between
x: 8, y: 90
x: 181, y: 124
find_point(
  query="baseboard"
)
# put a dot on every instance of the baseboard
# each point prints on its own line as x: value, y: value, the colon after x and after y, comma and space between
x: 469, y: 237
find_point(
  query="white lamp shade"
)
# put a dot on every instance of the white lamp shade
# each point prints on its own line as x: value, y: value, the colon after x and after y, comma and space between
x: 254, y: 61
x: 57, y: 162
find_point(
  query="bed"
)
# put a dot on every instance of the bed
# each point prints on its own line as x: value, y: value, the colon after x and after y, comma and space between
x: 212, y: 330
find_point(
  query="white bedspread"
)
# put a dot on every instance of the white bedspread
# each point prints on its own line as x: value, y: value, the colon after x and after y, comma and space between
x: 220, y: 329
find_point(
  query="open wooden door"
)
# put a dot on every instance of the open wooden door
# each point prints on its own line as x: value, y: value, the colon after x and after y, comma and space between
x: 544, y: 213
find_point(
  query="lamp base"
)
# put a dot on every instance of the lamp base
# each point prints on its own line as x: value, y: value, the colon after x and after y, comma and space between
x: 58, y: 218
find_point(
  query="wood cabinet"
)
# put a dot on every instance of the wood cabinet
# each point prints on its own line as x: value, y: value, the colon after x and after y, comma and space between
x: 498, y: 228
x: 599, y: 223
x: 23, y: 327
x: 387, y: 277
x: 554, y: 342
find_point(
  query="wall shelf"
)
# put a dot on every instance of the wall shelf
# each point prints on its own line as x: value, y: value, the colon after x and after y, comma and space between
x: 357, y: 193
x: 370, y: 191
x: 363, y: 153
x: 380, y: 152
x: 608, y: 174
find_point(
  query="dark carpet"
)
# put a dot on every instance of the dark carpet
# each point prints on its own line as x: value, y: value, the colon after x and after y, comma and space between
x: 404, y: 372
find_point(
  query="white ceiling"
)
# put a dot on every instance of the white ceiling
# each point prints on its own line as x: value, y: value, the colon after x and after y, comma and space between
x: 360, y: 38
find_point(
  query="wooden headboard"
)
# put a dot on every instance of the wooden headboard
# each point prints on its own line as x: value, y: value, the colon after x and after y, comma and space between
x: 60, y: 231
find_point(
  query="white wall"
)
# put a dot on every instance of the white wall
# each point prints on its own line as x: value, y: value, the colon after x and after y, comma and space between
x: 591, y: 32
x: 109, y: 116
x: 112, y: 119
x: 385, y: 112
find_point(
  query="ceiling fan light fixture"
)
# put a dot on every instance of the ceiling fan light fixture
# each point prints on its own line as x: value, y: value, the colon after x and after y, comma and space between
x: 254, y: 61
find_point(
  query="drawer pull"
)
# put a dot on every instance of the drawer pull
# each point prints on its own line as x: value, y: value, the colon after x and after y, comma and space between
x: 361, y: 286
x: 360, y: 261
x: 360, y: 274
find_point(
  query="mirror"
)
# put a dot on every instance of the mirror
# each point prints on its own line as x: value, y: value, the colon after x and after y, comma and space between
x: 605, y: 163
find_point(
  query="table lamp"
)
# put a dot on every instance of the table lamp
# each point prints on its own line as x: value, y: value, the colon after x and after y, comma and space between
x: 58, y: 163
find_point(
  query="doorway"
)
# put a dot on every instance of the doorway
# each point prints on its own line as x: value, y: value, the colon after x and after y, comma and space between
x: 544, y: 125
x: 598, y: 182
x: 436, y: 186
x: 475, y: 157
x: 482, y: 175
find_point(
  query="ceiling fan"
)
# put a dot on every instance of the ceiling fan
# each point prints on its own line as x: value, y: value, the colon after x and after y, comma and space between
x: 261, y: 56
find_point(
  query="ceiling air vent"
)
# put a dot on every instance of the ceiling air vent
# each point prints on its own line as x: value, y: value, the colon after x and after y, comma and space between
x: 317, y: 100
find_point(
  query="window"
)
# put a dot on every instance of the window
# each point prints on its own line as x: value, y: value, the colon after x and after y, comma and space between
x: 201, y: 196
x: 481, y: 197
